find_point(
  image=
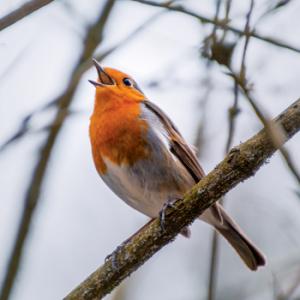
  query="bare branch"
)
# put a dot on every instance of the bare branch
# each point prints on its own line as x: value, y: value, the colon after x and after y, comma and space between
x: 207, y: 86
x: 24, y: 126
x: 275, y: 133
x: 232, y: 114
x: 212, y: 275
x: 247, y: 37
x: 290, y: 163
x: 92, y: 39
x: 233, y: 111
x: 220, y: 23
x: 275, y: 7
x: 241, y: 163
x: 22, y: 12
x: 226, y: 18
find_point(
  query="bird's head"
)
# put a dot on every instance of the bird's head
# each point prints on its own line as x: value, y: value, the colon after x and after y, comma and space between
x: 115, y: 85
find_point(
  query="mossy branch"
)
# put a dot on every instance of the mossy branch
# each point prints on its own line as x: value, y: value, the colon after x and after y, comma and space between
x: 241, y: 163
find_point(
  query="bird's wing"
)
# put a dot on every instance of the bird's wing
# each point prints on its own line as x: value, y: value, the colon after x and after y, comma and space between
x: 178, y: 146
x: 215, y: 214
x: 181, y: 150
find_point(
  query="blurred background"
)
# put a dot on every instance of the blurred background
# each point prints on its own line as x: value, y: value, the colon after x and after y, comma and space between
x: 56, y: 212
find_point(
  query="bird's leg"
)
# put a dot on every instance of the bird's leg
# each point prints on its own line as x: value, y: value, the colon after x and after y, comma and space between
x: 162, y: 214
x: 114, y: 254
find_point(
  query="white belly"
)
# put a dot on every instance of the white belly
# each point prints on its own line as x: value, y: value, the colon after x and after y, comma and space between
x: 146, y: 186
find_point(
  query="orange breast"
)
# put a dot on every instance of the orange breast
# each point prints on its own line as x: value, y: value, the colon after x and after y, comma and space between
x: 117, y: 133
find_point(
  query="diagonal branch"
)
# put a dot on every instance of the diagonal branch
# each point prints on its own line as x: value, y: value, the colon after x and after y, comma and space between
x: 274, y: 132
x: 22, y: 12
x: 92, y: 40
x: 241, y: 163
x: 219, y: 23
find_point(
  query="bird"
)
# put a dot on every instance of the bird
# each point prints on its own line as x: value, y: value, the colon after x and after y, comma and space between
x: 144, y: 159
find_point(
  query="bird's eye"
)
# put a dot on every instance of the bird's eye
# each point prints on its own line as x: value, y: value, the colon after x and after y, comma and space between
x: 127, y: 82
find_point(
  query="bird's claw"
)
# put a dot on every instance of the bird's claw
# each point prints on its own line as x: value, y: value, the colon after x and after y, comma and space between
x: 162, y: 213
x: 113, y: 257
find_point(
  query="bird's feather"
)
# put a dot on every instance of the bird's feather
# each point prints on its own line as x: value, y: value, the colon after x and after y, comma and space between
x: 180, y: 148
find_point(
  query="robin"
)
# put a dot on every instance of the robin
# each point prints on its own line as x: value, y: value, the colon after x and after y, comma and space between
x: 140, y: 154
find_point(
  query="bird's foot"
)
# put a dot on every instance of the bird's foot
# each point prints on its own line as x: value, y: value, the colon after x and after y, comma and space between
x: 114, y: 255
x: 162, y: 214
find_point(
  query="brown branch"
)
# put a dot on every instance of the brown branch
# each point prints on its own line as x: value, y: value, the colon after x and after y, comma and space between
x: 22, y: 12
x: 220, y: 23
x: 232, y: 114
x: 234, y: 109
x: 212, y: 272
x: 207, y: 84
x: 241, y: 163
x: 226, y: 18
x: 232, y: 118
x: 247, y: 38
x: 92, y: 40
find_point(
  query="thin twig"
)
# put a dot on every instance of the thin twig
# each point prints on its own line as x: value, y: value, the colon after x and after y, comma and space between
x: 247, y: 38
x: 24, y: 126
x: 275, y: 133
x: 232, y: 114
x: 200, y: 131
x: 232, y: 118
x: 216, y: 18
x: 207, y: 83
x: 241, y: 163
x: 275, y: 7
x: 242, y: 82
x: 212, y: 275
x: 234, y: 109
x: 226, y: 19
x: 25, y: 10
x: 92, y: 39
x: 220, y: 23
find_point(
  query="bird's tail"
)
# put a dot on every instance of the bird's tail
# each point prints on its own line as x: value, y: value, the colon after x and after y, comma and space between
x: 248, y: 252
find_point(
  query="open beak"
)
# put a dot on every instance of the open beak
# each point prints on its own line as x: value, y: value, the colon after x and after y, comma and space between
x: 104, y: 78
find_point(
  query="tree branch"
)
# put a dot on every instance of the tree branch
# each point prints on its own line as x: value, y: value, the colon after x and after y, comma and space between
x: 22, y: 12
x: 219, y: 23
x: 241, y: 163
x: 274, y: 132
x: 92, y: 39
